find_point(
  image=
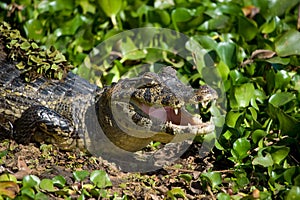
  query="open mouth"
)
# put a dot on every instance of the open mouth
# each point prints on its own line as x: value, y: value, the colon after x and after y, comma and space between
x: 185, y: 116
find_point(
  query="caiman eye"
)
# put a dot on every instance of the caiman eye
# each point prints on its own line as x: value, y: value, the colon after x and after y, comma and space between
x: 148, y: 82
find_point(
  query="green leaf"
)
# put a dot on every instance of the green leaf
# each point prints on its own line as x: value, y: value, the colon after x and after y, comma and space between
x: 241, y: 147
x: 244, y: 93
x: 111, y: 8
x: 31, y: 181
x: 265, y: 161
x: 59, y: 181
x: 287, y: 124
x: 181, y: 15
x: 227, y: 53
x: 258, y: 134
x: 100, y: 179
x: 176, y: 192
x: 80, y: 175
x: 232, y: 118
x: 282, y: 98
x: 186, y: 177
x: 279, y: 155
x: 34, y: 29
x: 214, y: 178
x: 47, y: 184
x: 223, y: 196
x: 8, y: 177
x: 247, y: 28
x: 29, y: 192
x: 293, y: 193
x: 287, y: 44
x: 269, y: 26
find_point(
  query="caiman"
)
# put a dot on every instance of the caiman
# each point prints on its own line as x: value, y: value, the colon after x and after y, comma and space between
x: 131, y: 113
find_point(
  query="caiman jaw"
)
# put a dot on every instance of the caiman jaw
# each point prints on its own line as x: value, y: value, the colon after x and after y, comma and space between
x: 173, y: 117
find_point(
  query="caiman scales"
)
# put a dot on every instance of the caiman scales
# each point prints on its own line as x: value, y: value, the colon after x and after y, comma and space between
x: 131, y: 113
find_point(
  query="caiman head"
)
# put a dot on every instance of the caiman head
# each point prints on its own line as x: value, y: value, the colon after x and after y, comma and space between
x: 153, y: 107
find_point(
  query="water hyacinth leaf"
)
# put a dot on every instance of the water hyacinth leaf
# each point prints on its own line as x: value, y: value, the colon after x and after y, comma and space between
x: 264, y: 161
x: 287, y: 44
x: 247, y: 28
x: 241, y: 147
x: 244, y: 93
x: 293, y: 193
x: 287, y: 124
x: 214, y: 178
x: 280, y: 99
x: 100, y: 179
x: 29, y: 192
x: 181, y: 15
x: 8, y: 177
x: 80, y: 175
x: 227, y: 53
x: 47, y: 184
x: 232, y: 118
x: 34, y: 29
x: 258, y: 134
x: 279, y: 155
x: 110, y: 8
x: 59, y: 181
x: 31, y: 181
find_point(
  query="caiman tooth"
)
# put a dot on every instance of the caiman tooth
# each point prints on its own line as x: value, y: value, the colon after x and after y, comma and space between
x: 197, y: 106
x: 176, y: 111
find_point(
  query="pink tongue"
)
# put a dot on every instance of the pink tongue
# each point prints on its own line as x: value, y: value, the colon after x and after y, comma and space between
x: 163, y: 114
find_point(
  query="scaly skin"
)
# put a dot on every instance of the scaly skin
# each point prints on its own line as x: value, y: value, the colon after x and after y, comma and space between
x: 131, y: 113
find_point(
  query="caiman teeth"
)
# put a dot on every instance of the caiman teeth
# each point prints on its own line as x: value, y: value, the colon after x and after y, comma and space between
x: 197, y: 106
x: 176, y: 111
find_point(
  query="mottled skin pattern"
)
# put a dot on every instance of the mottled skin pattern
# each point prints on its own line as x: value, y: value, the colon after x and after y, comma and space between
x: 131, y: 113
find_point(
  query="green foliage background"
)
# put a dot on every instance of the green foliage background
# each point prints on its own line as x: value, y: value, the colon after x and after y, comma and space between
x: 255, y: 47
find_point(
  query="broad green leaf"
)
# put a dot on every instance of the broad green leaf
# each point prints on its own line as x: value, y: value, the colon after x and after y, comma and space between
x: 100, y: 179
x: 47, y: 184
x: 279, y: 155
x: 34, y: 29
x: 110, y: 8
x: 181, y: 15
x: 287, y: 44
x: 80, y: 175
x: 282, y: 98
x: 8, y: 177
x: 227, y: 53
x: 269, y: 26
x: 29, y: 192
x: 275, y: 7
x: 59, y: 181
x: 247, y: 28
x: 243, y: 94
x: 287, y: 124
x: 31, y: 181
x: 258, y: 134
x: 241, y: 147
x: 214, y: 178
x: 264, y: 161
x: 223, y: 196
x: 186, y: 177
x: 288, y: 174
x: 293, y: 193
x: 232, y: 118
